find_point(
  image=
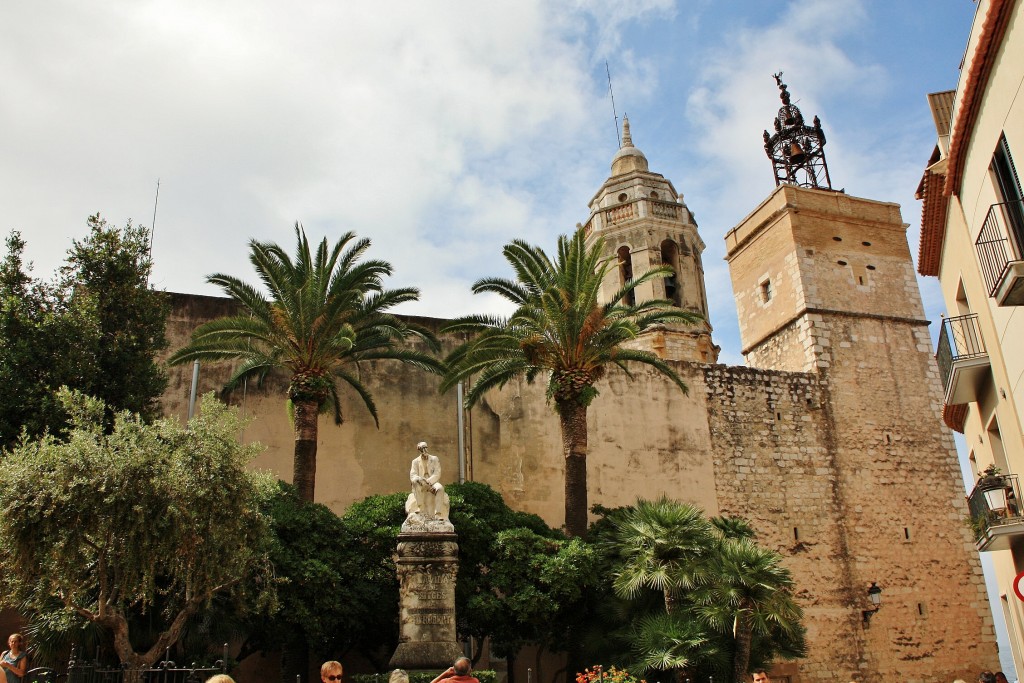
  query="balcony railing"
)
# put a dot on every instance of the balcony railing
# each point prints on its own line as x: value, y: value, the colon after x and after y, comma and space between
x: 638, y: 208
x: 996, y: 513
x: 962, y: 358
x: 1000, y: 252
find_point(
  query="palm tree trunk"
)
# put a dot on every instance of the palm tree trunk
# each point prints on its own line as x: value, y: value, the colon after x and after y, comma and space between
x: 743, y: 636
x: 573, y: 419
x: 304, y: 472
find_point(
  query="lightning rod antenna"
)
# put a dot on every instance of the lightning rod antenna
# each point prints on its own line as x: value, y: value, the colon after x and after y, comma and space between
x: 152, y: 228
x: 611, y: 94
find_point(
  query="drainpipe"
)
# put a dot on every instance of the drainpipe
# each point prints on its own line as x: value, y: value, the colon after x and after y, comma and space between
x: 195, y: 388
x: 462, y: 440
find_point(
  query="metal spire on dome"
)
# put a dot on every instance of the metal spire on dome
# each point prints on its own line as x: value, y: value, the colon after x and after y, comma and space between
x: 627, y: 139
x: 796, y: 149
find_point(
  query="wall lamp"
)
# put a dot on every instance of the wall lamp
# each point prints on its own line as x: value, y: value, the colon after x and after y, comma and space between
x: 875, y: 596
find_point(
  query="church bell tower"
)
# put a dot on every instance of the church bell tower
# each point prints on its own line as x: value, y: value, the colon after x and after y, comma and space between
x: 645, y: 223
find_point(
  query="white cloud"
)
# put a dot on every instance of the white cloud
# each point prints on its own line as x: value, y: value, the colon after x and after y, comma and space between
x: 419, y: 125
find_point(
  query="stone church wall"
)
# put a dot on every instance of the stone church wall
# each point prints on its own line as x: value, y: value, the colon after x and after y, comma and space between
x: 845, y: 472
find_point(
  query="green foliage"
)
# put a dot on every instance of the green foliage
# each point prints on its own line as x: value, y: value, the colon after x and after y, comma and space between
x: 519, y: 580
x: 107, y: 275
x: 485, y: 676
x: 96, y: 330
x: 559, y: 326
x: 692, y: 594
x: 38, y: 338
x: 153, y: 519
x: 337, y: 588
x: 327, y: 312
x: 560, y: 329
x: 659, y: 545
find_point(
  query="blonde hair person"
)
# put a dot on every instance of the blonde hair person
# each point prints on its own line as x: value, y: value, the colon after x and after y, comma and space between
x: 398, y: 676
x: 220, y: 678
x: 331, y: 671
x: 14, y: 661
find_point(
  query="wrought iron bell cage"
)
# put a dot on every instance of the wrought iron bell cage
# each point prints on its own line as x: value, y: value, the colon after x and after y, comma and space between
x: 797, y: 151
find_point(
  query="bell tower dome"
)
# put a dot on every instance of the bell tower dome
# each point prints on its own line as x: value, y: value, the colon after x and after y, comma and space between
x: 645, y: 223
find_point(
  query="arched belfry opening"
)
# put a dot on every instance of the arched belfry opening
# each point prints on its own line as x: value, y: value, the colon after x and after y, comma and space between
x: 644, y: 223
x: 673, y: 287
x: 626, y: 272
x: 797, y: 151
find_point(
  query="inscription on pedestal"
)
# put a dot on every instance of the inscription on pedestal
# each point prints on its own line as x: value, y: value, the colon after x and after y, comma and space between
x: 427, y: 564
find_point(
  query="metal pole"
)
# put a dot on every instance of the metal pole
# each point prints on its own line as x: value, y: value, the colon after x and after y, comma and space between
x: 529, y: 675
x: 462, y: 436
x: 195, y: 388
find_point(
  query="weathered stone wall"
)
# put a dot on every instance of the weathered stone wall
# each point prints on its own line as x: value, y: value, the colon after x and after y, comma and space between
x: 897, y: 513
x: 903, y: 504
x: 846, y: 472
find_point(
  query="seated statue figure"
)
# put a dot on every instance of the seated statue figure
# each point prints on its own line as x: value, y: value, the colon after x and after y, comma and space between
x: 428, y: 499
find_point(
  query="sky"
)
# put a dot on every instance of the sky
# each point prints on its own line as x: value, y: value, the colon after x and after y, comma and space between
x: 443, y: 130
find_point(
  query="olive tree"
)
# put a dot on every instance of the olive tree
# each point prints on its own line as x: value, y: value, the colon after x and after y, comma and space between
x: 155, y: 519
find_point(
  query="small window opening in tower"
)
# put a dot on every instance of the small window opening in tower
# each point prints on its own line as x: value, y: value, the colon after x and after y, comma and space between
x: 906, y: 533
x: 866, y: 244
x: 871, y: 267
x: 626, y: 273
x: 841, y: 262
x: 670, y: 257
x: 837, y: 239
x: 860, y: 280
x: 623, y: 197
x: 766, y: 291
x: 654, y: 195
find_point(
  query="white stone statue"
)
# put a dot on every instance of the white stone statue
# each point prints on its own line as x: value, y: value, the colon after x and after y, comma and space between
x: 428, y: 500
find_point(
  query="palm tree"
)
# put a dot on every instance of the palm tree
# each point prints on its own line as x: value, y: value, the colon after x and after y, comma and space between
x: 751, y: 596
x: 673, y: 643
x: 327, y: 312
x: 661, y: 545
x: 560, y: 328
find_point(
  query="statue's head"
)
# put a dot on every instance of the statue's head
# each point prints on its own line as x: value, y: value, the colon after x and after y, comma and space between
x: 422, y: 446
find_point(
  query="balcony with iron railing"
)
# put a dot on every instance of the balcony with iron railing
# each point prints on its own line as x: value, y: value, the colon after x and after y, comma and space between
x: 962, y: 358
x: 1000, y: 252
x: 995, y: 509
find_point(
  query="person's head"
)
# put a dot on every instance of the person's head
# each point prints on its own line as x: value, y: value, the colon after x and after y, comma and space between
x: 986, y: 677
x: 398, y: 676
x: 1001, y: 677
x: 220, y: 678
x: 422, y: 447
x: 16, y: 641
x: 330, y: 671
x: 761, y: 676
x: 462, y: 666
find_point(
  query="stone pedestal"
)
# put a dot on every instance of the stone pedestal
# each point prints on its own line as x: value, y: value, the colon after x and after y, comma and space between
x: 427, y: 562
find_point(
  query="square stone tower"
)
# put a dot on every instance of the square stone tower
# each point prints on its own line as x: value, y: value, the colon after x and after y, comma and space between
x: 824, y: 284
x: 807, y: 255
